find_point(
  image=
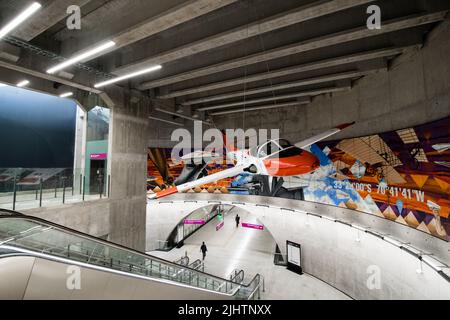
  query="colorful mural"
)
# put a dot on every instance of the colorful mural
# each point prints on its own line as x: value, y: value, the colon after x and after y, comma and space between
x: 402, y: 175
x: 162, y: 170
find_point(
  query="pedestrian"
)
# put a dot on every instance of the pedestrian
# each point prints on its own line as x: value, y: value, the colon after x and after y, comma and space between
x: 203, y: 249
x: 238, y: 219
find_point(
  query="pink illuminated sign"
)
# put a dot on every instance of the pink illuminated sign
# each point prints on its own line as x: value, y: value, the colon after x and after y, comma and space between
x: 187, y: 221
x: 99, y: 156
x: 253, y: 226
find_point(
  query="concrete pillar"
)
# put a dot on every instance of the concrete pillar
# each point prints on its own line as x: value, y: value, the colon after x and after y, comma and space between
x: 128, y: 171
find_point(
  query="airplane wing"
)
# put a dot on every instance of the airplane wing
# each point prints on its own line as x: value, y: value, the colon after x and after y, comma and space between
x: 227, y: 173
x: 308, y: 142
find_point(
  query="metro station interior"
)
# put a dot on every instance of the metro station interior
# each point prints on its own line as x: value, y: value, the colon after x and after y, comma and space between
x: 224, y: 150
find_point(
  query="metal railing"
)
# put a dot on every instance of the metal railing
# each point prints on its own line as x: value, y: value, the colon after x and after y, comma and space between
x: 28, y: 188
x: 252, y: 291
x: 237, y: 276
x: 183, y: 261
x: 197, y: 265
x: 33, y: 236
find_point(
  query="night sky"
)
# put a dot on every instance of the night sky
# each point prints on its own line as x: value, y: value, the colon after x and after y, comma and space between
x: 36, y: 130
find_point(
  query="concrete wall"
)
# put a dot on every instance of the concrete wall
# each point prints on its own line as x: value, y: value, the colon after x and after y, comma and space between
x: 331, y: 251
x: 160, y: 223
x: 415, y: 90
x: 89, y: 217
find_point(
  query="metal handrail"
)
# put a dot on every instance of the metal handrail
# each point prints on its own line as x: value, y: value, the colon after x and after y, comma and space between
x: 258, y: 281
x: 184, y: 261
x: 165, y: 266
x: 197, y: 265
x: 234, y: 277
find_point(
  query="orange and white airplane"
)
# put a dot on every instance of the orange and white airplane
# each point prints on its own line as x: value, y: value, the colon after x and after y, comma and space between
x: 274, y: 158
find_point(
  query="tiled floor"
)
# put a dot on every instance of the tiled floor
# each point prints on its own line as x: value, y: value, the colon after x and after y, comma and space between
x: 251, y: 250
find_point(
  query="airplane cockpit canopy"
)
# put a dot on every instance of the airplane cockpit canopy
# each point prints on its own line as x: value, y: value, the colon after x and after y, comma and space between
x: 275, y: 148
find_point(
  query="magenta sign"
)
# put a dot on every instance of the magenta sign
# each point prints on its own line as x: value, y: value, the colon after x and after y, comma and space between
x: 187, y: 221
x: 253, y: 226
x: 220, y: 225
x: 99, y: 156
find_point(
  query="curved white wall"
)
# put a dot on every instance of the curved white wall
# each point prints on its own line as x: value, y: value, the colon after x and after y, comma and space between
x: 338, y: 253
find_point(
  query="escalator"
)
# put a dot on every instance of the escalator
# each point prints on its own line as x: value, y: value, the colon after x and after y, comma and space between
x: 42, y: 260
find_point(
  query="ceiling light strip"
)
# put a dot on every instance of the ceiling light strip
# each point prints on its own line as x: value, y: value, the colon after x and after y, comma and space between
x: 22, y: 17
x: 66, y: 95
x: 270, y: 106
x: 82, y: 57
x: 181, y: 115
x: 128, y: 76
x: 167, y: 121
x: 23, y: 83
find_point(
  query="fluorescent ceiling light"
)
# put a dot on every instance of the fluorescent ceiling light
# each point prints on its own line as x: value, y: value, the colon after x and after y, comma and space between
x: 127, y: 76
x: 24, y: 15
x: 23, y: 83
x: 81, y: 57
x: 181, y: 115
x: 67, y: 94
x: 270, y: 106
x: 166, y: 121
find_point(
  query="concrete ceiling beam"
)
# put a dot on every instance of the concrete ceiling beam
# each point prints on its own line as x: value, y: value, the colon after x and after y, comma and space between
x: 9, y: 52
x: 46, y: 76
x: 287, y: 85
x: 285, y: 19
x: 46, y: 18
x: 322, y: 64
x: 308, y: 93
x: 175, y: 16
x: 304, y: 46
x: 264, y: 107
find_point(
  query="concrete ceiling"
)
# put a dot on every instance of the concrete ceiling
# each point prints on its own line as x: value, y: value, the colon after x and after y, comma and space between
x: 217, y: 55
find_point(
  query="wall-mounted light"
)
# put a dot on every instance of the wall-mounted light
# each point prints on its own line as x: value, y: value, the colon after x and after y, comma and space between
x: 66, y: 95
x: 127, y: 76
x: 22, y: 17
x: 81, y: 57
x: 23, y: 83
x: 420, y: 270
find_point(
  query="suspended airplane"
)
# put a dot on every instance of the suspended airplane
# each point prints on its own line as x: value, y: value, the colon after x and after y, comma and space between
x: 274, y: 158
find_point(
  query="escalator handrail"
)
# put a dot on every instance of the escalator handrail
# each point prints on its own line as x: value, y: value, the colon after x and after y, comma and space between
x: 21, y: 252
x: 17, y: 215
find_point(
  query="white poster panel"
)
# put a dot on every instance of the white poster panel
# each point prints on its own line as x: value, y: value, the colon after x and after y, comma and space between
x: 294, y: 255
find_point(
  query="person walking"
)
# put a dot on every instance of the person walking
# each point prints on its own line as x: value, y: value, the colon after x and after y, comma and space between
x: 203, y: 249
x: 238, y: 220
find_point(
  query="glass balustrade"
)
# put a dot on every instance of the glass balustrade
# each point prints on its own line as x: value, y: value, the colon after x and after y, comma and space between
x: 31, y: 235
x: 28, y: 188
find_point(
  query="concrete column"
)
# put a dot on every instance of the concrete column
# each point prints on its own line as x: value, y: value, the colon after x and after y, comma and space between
x: 128, y: 171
